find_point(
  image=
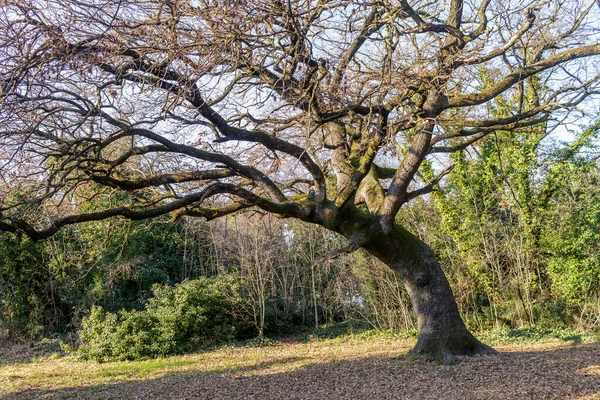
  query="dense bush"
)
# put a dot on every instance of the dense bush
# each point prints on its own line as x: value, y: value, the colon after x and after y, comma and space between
x: 25, y: 307
x: 191, y: 315
x: 46, y: 287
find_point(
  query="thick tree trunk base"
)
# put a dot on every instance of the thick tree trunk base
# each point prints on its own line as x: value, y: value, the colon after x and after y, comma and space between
x: 447, y: 348
x: 443, y: 337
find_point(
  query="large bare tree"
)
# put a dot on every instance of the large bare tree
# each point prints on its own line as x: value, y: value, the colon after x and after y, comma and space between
x: 335, y: 112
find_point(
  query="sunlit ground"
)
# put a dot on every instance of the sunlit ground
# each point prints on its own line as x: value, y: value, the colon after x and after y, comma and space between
x: 350, y: 367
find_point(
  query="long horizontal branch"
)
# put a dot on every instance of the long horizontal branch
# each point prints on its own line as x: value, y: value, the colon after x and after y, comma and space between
x: 460, y: 146
x: 477, y: 133
x: 11, y: 224
x: 213, y: 213
x: 158, y: 180
x: 244, y: 170
x: 520, y: 74
x: 16, y: 224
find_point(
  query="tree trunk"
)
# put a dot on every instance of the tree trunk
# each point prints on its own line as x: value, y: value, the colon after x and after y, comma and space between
x: 442, y: 333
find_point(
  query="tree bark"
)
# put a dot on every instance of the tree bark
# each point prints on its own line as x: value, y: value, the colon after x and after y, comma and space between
x: 442, y: 335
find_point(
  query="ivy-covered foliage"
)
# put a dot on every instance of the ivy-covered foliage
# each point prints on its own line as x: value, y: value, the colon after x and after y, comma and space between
x: 23, y: 306
x: 517, y: 228
x: 47, y: 287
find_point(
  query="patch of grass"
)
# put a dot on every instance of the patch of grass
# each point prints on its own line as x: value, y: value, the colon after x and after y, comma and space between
x: 530, y: 335
x: 141, y: 368
x: 261, y: 341
x: 352, y: 330
x: 387, y: 334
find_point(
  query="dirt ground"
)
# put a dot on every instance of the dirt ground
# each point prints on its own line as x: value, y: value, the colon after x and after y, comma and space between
x: 354, y: 368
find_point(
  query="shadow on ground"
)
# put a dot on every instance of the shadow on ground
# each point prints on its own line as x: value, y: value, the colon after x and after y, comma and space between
x: 22, y: 352
x: 566, y: 373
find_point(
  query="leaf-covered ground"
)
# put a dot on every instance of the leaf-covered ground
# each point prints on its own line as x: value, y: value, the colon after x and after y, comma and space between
x: 344, y: 368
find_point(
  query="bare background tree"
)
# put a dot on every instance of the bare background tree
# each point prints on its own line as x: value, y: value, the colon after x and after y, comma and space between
x: 336, y: 113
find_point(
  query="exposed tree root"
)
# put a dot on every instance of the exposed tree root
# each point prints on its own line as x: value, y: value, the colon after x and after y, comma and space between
x: 446, y: 349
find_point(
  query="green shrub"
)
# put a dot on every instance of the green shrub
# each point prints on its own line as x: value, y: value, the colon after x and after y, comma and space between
x: 97, y: 335
x: 24, y: 311
x: 191, y: 315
